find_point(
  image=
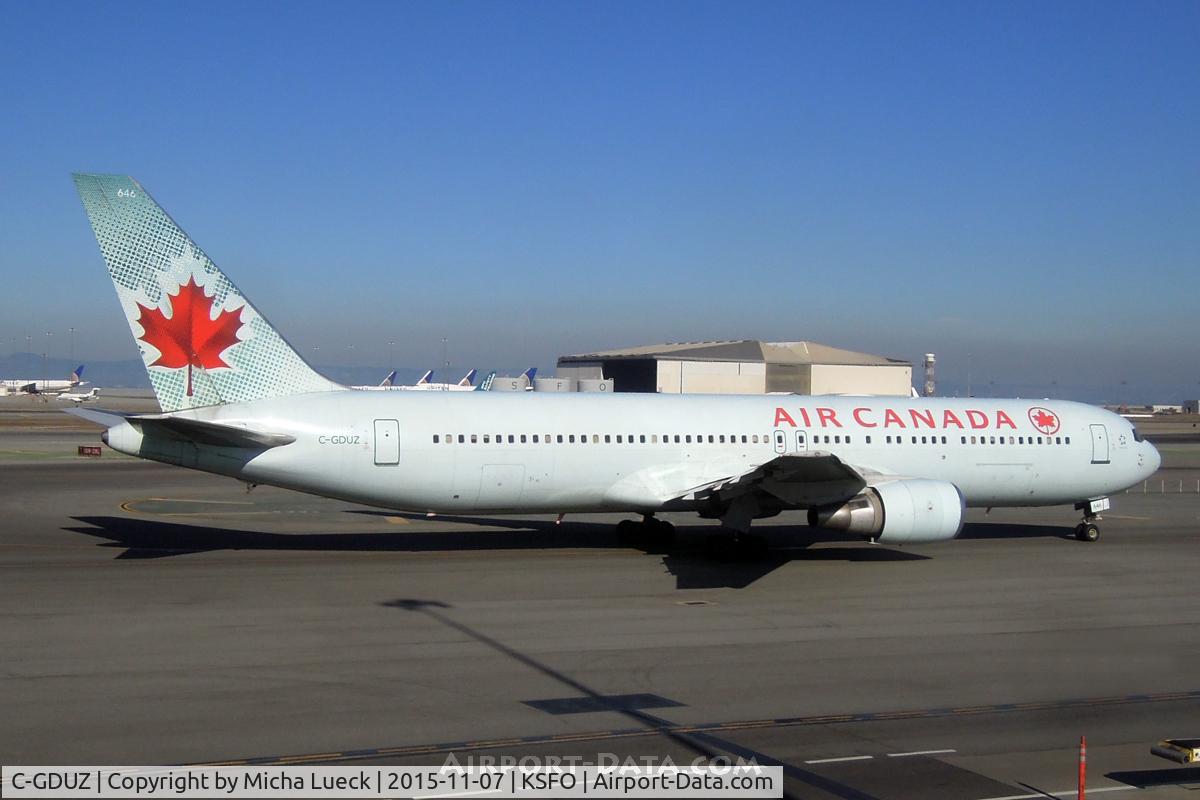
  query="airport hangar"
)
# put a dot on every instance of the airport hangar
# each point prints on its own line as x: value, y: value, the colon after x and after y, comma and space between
x: 740, y: 367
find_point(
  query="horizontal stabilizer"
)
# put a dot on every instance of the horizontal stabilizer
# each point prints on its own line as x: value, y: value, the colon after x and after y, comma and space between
x: 99, y: 416
x: 189, y: 430
x: 210, y: 433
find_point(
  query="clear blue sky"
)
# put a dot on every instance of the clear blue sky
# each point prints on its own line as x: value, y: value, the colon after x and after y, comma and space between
x: 1017, y: 180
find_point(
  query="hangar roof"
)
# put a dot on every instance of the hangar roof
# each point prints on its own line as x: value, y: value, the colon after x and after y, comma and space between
x: 742, y: 350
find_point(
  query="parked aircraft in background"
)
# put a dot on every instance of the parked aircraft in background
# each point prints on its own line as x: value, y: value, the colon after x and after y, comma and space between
x: 467, y: 384
x: 387, y: 382
x: 39, y: 386
x: 425, y: 384
x: 80, y: 397
x: 237, y: 400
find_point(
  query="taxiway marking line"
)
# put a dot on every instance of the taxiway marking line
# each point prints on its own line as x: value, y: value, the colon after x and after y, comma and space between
x: 838, y: 760
x: 921, y: 753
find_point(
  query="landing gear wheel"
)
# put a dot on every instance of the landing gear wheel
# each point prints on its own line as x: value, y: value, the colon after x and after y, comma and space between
x: 1087, y: 531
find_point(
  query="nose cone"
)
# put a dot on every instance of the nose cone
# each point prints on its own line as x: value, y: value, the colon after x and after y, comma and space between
x: 1153, y: 460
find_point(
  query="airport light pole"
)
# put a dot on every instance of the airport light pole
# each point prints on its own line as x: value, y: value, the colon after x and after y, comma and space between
x: 71, y: 333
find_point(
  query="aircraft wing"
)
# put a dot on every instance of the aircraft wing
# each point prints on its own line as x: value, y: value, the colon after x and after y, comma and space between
x: 191, y: 430
x: 801, y: 479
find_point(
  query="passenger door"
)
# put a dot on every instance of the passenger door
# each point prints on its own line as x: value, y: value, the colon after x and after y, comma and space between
x: 1099, y: 444
x: 387, y: 442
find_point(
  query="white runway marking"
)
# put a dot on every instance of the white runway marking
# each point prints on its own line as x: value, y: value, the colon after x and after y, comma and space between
x: 835, y: 760
x: 921, y: 753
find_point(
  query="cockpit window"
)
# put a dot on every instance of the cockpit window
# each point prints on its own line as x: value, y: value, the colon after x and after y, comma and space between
x: 1137, y: 437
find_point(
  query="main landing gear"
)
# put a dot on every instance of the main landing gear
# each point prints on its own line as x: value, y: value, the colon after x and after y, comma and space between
x: 1088, y: 530
x: 651, y: 533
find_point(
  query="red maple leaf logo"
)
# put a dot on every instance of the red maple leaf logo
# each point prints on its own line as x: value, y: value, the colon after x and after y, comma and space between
x: 190, y: 337
x: 1044, y: 420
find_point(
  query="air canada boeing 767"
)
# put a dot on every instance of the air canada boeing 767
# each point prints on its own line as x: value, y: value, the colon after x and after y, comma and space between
x: 238, y: 400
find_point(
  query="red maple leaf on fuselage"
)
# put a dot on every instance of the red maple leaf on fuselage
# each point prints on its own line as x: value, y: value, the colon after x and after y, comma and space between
x: 190, y: 337
x: 1044, y: 421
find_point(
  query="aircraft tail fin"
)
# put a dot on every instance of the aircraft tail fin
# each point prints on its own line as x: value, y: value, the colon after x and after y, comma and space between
x: 426, y: 378
x: 468, y: 379
x: 77, y: 375
x: 202, y: 341
x: 389, y: 380
x: 486, y: 384
x: 528, y: 375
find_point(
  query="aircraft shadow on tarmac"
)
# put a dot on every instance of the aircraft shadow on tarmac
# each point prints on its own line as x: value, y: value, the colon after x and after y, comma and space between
x: 687, y: 559
x: 1009, y: 530
x: 1147, y: 778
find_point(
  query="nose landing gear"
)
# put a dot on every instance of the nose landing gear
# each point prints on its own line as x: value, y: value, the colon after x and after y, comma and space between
x: 1088, y: 530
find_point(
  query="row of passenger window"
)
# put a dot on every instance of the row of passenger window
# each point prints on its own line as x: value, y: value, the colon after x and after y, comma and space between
x: 754, y: 438
x: 596, y: 438
x: 973, y: 439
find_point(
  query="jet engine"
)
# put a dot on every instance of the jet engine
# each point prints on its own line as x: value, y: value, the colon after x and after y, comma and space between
x: 898, y: 512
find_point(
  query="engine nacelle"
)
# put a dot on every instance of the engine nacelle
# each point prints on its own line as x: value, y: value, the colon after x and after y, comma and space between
x: 898, y: 512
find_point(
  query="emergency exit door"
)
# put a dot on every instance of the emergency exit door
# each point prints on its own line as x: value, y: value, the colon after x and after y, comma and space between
x: 387, y: 441
x: 780, y: 442
x: 1099, y: 444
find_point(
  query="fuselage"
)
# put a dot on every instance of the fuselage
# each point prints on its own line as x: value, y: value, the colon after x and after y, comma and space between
x: 530, y: 452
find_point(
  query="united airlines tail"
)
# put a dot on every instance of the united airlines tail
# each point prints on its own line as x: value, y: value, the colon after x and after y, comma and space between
x: 77, y: 375
x: 468, y: 379
x: 389, y: 380
x: 202, y: 341
x: 426, y: 378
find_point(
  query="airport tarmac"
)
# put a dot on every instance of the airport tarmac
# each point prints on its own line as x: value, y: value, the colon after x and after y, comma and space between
x: 155, y: 615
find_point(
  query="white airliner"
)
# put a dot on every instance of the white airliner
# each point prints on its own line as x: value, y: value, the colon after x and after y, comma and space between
x: 425, y: 384
x: 80, y: 397
x: 466, y: 384
x: 237, y: 400
x: 39, y: 386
